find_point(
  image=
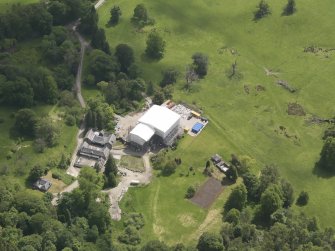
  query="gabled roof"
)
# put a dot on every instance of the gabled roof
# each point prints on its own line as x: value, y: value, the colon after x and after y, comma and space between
x: 100, y: 138
x: 42, y: 184
x: 94, y: 151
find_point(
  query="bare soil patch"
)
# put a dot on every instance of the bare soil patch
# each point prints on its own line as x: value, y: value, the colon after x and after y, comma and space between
x: 207, y: 193
x: 295, y: 109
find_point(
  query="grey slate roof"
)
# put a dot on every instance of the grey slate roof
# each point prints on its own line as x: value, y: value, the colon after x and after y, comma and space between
x: 100, y: 138
x: 42, y: 185
x: 94, y: 151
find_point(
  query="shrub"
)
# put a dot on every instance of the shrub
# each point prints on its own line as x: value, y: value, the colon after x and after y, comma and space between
x: 70, y: 120
x: 134, y: 219
x: 233, y: 216
x: 130, y: 236
x: 169, y: 168
x: 56, y: 175
x: 303, y: 198
x: 190, y: 192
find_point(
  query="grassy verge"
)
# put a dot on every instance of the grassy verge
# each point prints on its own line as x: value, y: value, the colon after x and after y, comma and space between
x: 132, y: 163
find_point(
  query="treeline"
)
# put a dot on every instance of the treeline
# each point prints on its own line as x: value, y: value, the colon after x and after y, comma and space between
x: 23, y: 80
x: 80, y: 222
x: 117, y: 76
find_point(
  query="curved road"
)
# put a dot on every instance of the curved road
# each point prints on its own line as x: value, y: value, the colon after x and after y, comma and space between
x: 83, y: 45
x: 77, y: 88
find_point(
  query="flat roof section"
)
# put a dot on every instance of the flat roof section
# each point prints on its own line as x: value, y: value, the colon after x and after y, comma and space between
x: 143, y: 131
x: 159, y: 118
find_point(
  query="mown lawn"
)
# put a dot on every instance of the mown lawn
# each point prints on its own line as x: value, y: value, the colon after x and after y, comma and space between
x: 240, y: 123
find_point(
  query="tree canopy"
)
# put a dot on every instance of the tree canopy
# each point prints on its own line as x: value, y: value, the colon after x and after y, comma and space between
x: 155, y: 46
x: 327, y: 155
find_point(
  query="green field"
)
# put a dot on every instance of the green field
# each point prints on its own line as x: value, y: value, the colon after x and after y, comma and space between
x: 241, y: 123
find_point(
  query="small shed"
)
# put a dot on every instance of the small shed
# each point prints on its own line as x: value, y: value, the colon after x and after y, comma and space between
x: 197, y: 127
x: 42, y: 185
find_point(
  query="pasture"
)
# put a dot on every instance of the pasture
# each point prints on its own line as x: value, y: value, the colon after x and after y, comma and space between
x: 246, y: 113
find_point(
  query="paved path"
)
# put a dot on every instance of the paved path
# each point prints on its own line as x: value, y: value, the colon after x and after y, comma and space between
x: 83, y: 45
x: 116, y: 194
x: 99, y: 3
x: 68, y: 189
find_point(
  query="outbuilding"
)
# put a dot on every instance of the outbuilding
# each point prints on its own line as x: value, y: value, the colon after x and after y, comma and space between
x: 159, y: 121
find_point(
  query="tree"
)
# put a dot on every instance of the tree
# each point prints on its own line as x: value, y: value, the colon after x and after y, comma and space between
x: 110, y: 180
x: 89, y: 21
x: 98, y: 215
x: 271, y: 201
x: 17, y: 93
x: 115, y: 15
x: 290, y: 8
x: 125, y: 56
x: 150, y: 88
x: 110, y: 166
x: 207, y: 170
x: 287, y: 190
x: 303, y: 198
x: 233, y: 216
x: 47, y: 130
x: 102, y: 66
x: 231, y: 173
x: 154, y: 246
x: 263, y: 10
x: 269, y: 175
x: 169, y: 167
x: 237, y: 198
x: 200, y: 63
x: 140, y: 16
x: 190, y: 192
x: 25, y: 122
x: 190, y: 76
x: 99, y: 41
x: 34, y: 242
x: 158, y: 98
x: 327, y: 155
x: 210, y: 242
x: 251, y: 183
x: 41, y: 20
x: 169, y: 77
x: 58, y: 11
x: 90, y: 182
x: 155, y: 46
x: 36, y: 172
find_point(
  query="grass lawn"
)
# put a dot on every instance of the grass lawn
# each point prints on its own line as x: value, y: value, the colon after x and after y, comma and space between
x: 132, y: 163
x: 241, y: 122
x: 21, y: 152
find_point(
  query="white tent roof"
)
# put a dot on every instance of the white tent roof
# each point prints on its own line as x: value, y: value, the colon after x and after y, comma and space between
x: 160, y: 118
x: 143, y: 131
